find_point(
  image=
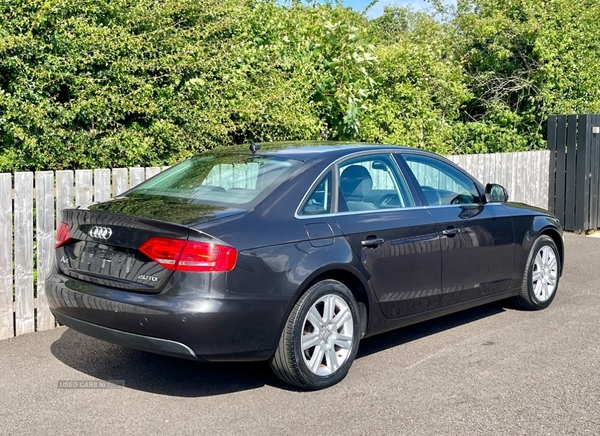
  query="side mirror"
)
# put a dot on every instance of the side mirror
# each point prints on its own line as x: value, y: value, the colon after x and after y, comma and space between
x: 495, y: 193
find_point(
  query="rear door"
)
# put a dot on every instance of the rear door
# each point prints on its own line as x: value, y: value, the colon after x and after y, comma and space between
x: 477, y: 239
x: 395, y: 238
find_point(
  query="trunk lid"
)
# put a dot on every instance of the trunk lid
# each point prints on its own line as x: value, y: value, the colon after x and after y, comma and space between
x: 104, y: 242
x: 174, y: 210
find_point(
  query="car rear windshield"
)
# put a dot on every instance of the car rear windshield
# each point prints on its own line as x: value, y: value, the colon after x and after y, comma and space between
x: 220, y: 179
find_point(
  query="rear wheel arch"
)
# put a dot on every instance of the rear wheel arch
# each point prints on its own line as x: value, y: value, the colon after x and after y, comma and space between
x: 320, y: 338
x: 352, y: 281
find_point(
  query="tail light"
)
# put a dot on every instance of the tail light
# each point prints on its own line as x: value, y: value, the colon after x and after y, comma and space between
x: 63, y: 235
x: 180, y: 255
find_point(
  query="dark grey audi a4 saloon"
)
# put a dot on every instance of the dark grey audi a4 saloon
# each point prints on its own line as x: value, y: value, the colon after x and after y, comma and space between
x: 292, y: 253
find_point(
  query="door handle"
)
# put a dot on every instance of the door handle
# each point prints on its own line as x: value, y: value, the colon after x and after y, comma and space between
x: 372, y: 242
x: 450, y: 231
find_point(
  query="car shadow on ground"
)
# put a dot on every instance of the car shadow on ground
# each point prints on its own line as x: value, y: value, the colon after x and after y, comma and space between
x: 185, y: 378
x: 420, y: 330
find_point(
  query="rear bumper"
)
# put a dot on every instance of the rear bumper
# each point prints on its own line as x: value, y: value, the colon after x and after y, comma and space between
x: 215, y: 327
x: 132, y: 340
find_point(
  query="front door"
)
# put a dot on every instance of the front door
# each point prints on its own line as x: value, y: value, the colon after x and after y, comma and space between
x: 477, y: 239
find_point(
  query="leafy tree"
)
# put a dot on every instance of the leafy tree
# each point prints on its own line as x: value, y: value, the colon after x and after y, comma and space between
x: 523, y: 60
x: 419, y: 88
x: 110, y: 83
x: 338, y: 51
x: 104, y: 83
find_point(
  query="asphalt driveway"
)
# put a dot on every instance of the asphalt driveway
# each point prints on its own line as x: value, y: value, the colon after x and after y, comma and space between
x: 491, y: 370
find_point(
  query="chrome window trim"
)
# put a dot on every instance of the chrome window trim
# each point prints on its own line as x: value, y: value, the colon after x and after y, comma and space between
x: 359, y: 212
x: 396, y: 209
x: 306, y: 197
x: 309, y: 191
x: 390, y: 153
x: 437, y: 206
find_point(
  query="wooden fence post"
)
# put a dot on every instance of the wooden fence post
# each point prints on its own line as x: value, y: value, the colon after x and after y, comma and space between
x: 6, y: 263
x: 44, y: 207
x: 23, y: 227
x: 64, y: 192
x: 120, y: 181
x: 136, y: 175
x: 83, y: 188
x: 102, y: 185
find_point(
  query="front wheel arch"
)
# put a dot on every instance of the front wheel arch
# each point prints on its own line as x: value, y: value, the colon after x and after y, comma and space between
x: 560, y: 245
x: 541, y: 275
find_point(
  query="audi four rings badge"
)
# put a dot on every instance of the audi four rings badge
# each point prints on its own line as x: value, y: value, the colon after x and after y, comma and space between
x: 98, y: 232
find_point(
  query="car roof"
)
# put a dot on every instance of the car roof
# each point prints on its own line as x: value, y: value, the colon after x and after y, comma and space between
x: 309, y: 150
x: 306, y: 150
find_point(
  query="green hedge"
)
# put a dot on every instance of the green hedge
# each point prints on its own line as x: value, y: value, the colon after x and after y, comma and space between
x: 111, y: 83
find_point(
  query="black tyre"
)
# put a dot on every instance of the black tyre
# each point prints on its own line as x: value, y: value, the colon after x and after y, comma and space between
x: 542, y: 273
x: 320, y: 339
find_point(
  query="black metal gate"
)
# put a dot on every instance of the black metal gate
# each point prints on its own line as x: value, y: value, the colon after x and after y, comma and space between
x: 574, y: 188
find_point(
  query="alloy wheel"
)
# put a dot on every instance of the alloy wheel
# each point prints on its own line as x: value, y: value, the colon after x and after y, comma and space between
x: 327, y: 335
x: 545, y: 273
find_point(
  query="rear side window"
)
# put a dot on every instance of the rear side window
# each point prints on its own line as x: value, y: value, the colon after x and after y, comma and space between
x: 218, y: 179
x: 319, y: 200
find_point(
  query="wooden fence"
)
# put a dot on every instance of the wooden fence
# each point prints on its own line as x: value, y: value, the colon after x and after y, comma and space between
x: 30, y: 205
x: 574, y: 188
x: 521, y: 173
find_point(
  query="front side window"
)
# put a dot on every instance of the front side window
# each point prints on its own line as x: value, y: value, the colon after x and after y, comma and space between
x: 441, y: 183
x: 371, y: 183
x: 218, y: 179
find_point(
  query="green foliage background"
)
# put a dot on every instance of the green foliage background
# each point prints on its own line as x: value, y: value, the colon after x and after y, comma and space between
x: 111, y: 83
